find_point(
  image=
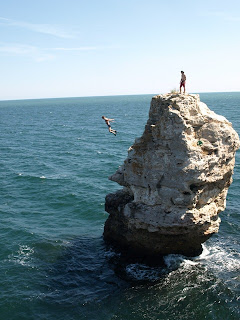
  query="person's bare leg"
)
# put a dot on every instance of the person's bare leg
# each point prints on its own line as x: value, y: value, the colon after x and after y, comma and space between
x: 113, y: 131
x: 110, y: 129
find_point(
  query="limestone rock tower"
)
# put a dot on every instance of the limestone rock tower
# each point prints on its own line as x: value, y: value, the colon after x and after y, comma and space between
x: 175, y: 180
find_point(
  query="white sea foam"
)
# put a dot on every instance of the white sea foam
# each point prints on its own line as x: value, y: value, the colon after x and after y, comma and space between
x: 174, y: 261
x: 142, y: 272
x: 204, y: 253
x: 219, y: 259
x: 23, y: 256
x: 30, y: 176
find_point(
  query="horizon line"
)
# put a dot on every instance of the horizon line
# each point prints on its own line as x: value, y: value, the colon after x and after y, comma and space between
x: 112, y: 95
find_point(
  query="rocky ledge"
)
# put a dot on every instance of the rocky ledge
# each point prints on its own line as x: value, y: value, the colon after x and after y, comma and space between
x: 175, y: 180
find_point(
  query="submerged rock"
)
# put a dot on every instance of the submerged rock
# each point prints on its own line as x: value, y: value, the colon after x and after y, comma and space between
x: 175, y: 180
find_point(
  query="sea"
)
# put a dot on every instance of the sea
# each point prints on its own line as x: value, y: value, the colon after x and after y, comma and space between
x: 55, y: 159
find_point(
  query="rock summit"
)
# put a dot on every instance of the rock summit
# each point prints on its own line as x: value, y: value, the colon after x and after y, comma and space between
x: 175, y: 180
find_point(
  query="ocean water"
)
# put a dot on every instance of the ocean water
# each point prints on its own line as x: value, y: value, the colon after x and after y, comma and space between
x: 56, y: 156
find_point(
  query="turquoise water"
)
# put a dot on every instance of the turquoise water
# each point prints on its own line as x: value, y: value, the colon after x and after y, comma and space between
x: 56, y: 155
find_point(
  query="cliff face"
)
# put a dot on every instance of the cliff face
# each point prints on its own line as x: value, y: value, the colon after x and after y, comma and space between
x: 175, y: 179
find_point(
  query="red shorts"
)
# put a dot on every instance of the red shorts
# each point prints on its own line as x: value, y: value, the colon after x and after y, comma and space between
x: 182, y: 84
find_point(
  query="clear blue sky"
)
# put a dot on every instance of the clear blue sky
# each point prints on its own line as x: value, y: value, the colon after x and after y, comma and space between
x: 73, y: 48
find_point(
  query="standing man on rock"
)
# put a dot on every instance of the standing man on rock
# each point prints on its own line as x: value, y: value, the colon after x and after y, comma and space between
x: 183, y: 81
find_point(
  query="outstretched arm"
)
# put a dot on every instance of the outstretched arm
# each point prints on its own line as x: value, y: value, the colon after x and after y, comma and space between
x: 107, y: 119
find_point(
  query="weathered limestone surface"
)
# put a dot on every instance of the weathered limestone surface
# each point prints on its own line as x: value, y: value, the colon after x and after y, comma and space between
x: 175, y: 179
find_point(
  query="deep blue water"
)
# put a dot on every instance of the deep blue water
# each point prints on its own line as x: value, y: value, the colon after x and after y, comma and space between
x: 56, y: 155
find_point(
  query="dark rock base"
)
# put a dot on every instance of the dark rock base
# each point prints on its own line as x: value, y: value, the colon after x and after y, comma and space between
x: 142, y: 243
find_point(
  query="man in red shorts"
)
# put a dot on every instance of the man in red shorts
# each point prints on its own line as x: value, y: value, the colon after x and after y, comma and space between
x: 182, y: 82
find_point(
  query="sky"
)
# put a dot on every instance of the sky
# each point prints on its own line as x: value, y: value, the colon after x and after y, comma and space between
x: 74, y: 48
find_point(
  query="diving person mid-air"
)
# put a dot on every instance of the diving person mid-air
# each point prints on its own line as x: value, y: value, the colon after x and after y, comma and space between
x: 107, y: 121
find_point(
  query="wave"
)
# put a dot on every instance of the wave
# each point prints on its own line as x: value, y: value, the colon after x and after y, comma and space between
x: 48, y: 177
x: 219, y: 259
x: 214, y: 258
x: 142, y: 272
x: 23, y: 256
